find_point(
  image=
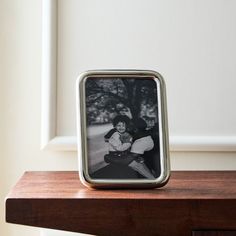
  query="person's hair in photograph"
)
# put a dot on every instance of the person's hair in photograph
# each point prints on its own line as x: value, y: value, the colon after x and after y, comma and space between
x: 121, y: 118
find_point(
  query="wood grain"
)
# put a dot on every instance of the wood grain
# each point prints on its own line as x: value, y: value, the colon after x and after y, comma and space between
x: 214, y: 233
x: 190, y: 201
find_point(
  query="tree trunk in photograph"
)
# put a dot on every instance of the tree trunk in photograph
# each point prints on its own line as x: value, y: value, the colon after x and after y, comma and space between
x: 134, y: 95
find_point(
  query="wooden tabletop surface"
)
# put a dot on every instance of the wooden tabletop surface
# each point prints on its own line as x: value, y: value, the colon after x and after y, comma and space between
x: 182, y: 185
x: 192, y: 200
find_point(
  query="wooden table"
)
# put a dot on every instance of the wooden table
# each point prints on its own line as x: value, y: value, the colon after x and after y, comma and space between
x: 192, y: 203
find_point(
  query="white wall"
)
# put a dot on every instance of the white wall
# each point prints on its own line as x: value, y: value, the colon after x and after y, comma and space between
x: 192, y: 44
x: 20, y: 91
x: 20, y: 53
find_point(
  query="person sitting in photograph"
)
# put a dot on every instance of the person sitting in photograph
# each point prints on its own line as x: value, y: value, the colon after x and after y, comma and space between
x: 142, y: 142
x: 119, y: 140
x: 121, y: 151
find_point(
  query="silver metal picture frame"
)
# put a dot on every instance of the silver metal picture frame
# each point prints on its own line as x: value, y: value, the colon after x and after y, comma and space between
x: 122, y: 129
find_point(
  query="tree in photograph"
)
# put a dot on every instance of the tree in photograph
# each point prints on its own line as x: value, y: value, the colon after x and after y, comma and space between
x: 109, y: 97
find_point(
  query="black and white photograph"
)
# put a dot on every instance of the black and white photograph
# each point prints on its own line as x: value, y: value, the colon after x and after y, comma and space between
x: 122, y: 128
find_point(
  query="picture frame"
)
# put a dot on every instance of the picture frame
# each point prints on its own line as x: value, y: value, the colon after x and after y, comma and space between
x: 122, y: 129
